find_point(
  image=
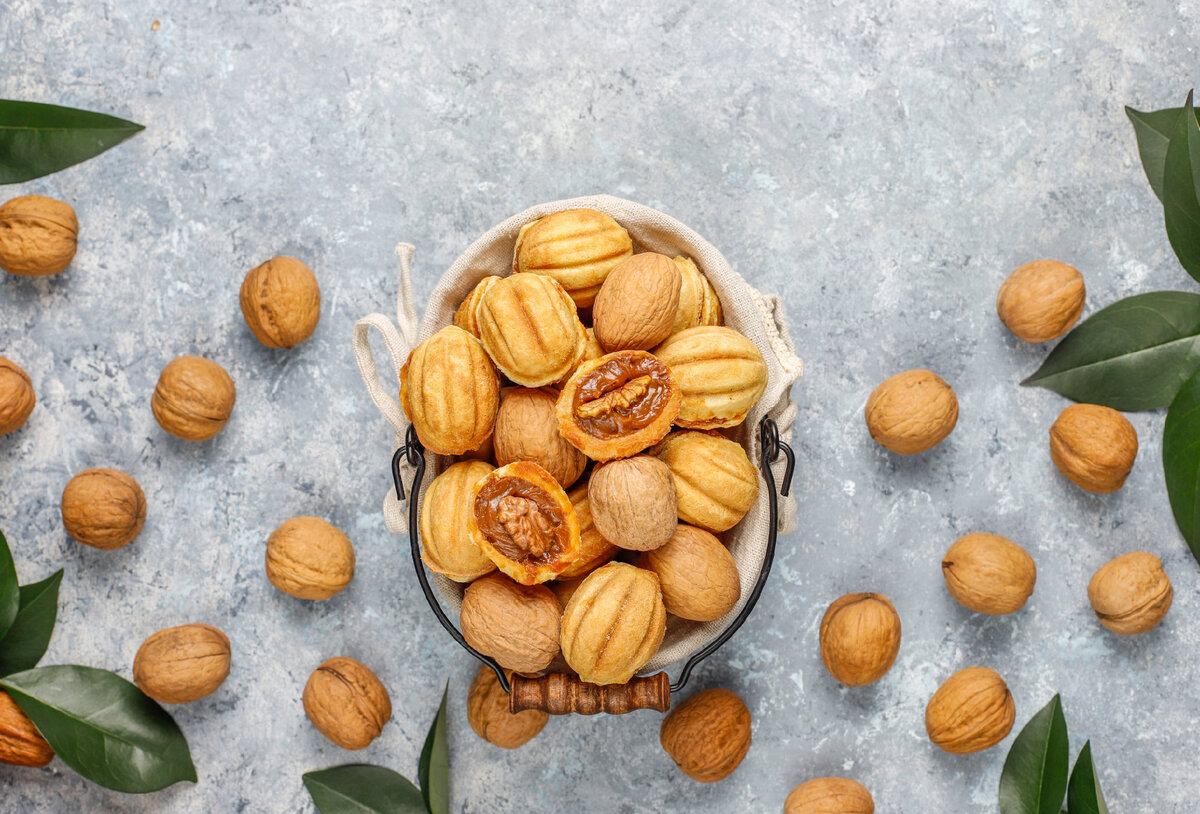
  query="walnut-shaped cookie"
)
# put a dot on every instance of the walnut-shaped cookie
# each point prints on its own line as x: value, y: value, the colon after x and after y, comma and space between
x: 450, y: 392
x: 715, y: 483
x: 698, y: 302
x: 447, y: 545
x: 720, y: 373
x: 577, y: 247
x: 465, y: 316
x: 530, y: 328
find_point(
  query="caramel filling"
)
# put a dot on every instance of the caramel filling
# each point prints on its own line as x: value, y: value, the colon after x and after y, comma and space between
x: 621, y: 396
x: 522, y: 521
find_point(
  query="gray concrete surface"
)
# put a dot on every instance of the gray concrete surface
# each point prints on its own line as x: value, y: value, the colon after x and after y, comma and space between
x: 881, y: 165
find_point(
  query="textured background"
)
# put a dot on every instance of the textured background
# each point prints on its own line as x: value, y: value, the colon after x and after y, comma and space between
x: 881, y: 165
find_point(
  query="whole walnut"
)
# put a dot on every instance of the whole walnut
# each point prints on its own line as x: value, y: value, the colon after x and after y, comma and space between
x: 635, y: 308
x: 515, y: 624
x: 1131, y: 593
x: 715, y: 483
x: 707, y: 735
x: 860, y: 637
x: 38, y: 235
x: 309, y: 558
x: 633, y: 502
x: 281, y: 302
x: 613, y: 624
x: 16, y: 396
x: 911, y: 412
x: 829, y: 795
x: 972, y: 711
x: 1093, y: 446
x: 988, y: 573
x: 347, y: 703
x: 20, y: 742
x: 488, y: 714
x: 103, y: 508
x: 447, y: 546
x: 698, y: 575
x: 182, y: 664
x: 194, y: 398
x: 1041, y: 300
x: 527, y: 430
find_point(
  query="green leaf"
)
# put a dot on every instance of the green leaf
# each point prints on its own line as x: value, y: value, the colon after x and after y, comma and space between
x: 10, y: 592
x: 1153, y: 129
x: 1034, y: 779
x: 358, y: 788
x: 433, y: 772
x: 1181, y: 461
x: 38, y: 139
x: 103, y: 727
x: 26, y: 641
x: 1083, y: 794
x: 1181, y: 206
x: 1133, y: 355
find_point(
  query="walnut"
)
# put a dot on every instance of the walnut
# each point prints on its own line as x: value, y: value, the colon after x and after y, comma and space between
x: 16, y: 396
x: 103, y: 508
x: 450, y: 392
x: 1094, y: 447
x: 1041, y: 300
x: 707, y: 735
x: 633, y: 502
x: 447, y: 546
x: 517, y: 625
x: 715, y: 483
x: 20, y: 742
x: 38, y: 236
x: 971, y: 712
x: 860, y: 637
x: 720, y: 373
x: 698, y: 302
x: 182, y: 664
x: 530, y: 329
x: 576, y: 247
x: 309, y: 559
x: 829, y: 795
x: 698, y: 575
x: 527, y: 430
x: 488, y: 714
x: 635, y: 308
x: 194, y: 398
x: 613, y: 624
x: 347, y: 703
x: 1131, y: 593
x: 281, y: 302
x: 465, y: 317
x: 594, y: 550
x: 911, y: 412
x: 989, y: 574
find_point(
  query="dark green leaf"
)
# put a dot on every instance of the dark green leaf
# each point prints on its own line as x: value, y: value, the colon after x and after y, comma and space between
x: 38, y: 139
x: 1153, y: 129
x: 10, y: 593
x: 1084, y: 795
x: 103, y: 727
x: 358, y: 788
x: 1181, y: 461
x: 433, y: 772
x: 1034, y: 779
x: 1133, y: 355
x: 1181, y: 207
x: 26, y: 641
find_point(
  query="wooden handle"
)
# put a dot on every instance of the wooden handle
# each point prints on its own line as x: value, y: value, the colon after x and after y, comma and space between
x: 562, y: 694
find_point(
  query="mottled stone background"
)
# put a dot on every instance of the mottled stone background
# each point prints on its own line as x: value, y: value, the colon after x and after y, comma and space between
x: 881, y: 165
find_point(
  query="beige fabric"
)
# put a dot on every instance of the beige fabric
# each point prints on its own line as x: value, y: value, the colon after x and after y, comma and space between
x: 759, y: 317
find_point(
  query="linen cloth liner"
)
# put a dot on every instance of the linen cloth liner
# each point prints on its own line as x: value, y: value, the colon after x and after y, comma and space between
x: 760, y: 317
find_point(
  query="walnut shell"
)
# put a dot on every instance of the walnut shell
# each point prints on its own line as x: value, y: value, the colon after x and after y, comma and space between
x: 635, y: 308
x: 194, y: 398
x: 38, y: 235
x: 182, y: 664
x: 860, y: 637
x: 1131, y: 594
x: 488, y: 714
x: 447, y: 545
x: 517, y: 625
x: 450, y: 392
x: 697, y: 574
x: 530, y: 329
x: 20, y: 742
x: 721, y: 375
x: 347, y: 703
x: 594, y: 550
x: 613, y: 624
x: 715, y: 483
x: 309, y: 558
x: 1041, y: 300
x: 16, y: 396
x: 989, y: 574
x: 527, y: 430
x: 911, y: 412
x: 465, y: 316
x: 103, y: 508
x: 1094, y: 447
x: 281, y: 302
x: 829, y: 795
x: 971, y: 712
x: 707, y: 735
x: 577, y: 247
x: 633, y: 502
x: 698, y: 302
